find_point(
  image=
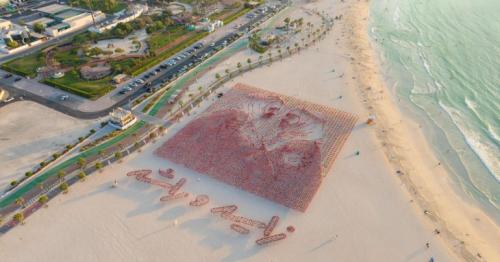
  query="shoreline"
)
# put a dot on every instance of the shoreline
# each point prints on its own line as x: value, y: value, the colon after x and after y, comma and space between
x: 468, y: 230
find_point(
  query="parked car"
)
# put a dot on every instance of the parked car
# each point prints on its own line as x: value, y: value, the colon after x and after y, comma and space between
x: 17, y: 79
x: 7, y: 76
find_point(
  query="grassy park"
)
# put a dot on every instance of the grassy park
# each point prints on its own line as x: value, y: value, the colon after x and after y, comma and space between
x: 72, y: 82
x: 25, y: 66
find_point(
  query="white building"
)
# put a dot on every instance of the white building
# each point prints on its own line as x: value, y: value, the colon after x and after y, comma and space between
x: 67, y: 19
x: 121, y: 118
x: 133, y: 13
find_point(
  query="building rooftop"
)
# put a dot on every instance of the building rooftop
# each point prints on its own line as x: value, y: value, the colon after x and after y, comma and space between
x: 68, y: 14
x: 53, y: 8
x: 120, y: 113
x: 42, y: 20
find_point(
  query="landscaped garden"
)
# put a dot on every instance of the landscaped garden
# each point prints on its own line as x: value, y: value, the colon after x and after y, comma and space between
x: 86, y: 65
x: 25, y: 66
x: 106, y: 6
x: 72, y: 82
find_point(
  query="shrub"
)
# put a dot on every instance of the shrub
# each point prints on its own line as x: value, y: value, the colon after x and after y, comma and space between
x: 64, y: 186
x: 43, y: 199
x: 19, y: 217
x: 118, y: 155
x: 81, y: 175
x: 13, y: 182
x: 28, y: 174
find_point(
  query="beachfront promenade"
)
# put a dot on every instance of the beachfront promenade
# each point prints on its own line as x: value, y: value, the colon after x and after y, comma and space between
x: 132, y: 139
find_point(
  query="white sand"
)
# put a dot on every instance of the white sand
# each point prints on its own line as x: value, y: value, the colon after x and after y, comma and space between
x: 362, y: 211
x: 30, y: 133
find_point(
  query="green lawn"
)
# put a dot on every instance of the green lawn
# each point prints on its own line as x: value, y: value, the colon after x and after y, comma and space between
x: 161, y: 39
x: 100, y: 5
x: 151, y: 61
x: 70, y: 58
x: 234, y: 16
x: 26, y: 65
x: 72, y: 82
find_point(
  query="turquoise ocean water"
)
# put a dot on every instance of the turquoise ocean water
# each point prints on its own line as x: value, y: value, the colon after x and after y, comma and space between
x: 442, y: 59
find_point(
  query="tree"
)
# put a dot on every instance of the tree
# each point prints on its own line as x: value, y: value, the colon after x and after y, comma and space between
x: 19, y: 217
x: 217, y: 76
x: 119, y: 50
x: 118, y: 154
x: 249, y: 61
x: 288, y: 49
x: 101, y: 153
x: 61, y: 174
x: 200, y: 89
x: 20, y: 202
x: 98, y: 165
x: 260, y: 59
x: 28, y: 174
x: 11, y: 43
x: 38, y: 27
x: 270, y: 56
x: 239, y: 66
x: 43, y: 199
x: 287, y: 21
x: 64, y: 187
x: 13, y: 182
x: 227, y: 72
x: 82, y: 175
x: 82, y: 162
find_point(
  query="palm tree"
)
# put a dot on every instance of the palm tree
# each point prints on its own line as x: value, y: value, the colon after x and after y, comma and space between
x: 98, y: 165
x: 217, y: 76
x: 81, y: 162
x: 64, y: 187
x: 200, y: 88
x: 43, y: 199
x: 239, y: 66
x: 118, y: 154
x: 41, y: 186
x: 296, y: 46
x: 227, y: 72
x: 61, y: 174
x: 82, y: 175
x: 19, y: 217
x: 249, y: 61
x: 279, y: 52
x: 270, y: 56
x: 20, y: 202
x: 288, y: 49
x: 101, y: 153
x: 260, y: 59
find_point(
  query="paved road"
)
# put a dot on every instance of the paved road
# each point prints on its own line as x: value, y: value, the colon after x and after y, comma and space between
x: 163, y: 77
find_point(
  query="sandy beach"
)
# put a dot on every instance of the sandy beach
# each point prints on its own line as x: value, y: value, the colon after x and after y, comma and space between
x: 31, y: 133
x: 370, y: 207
